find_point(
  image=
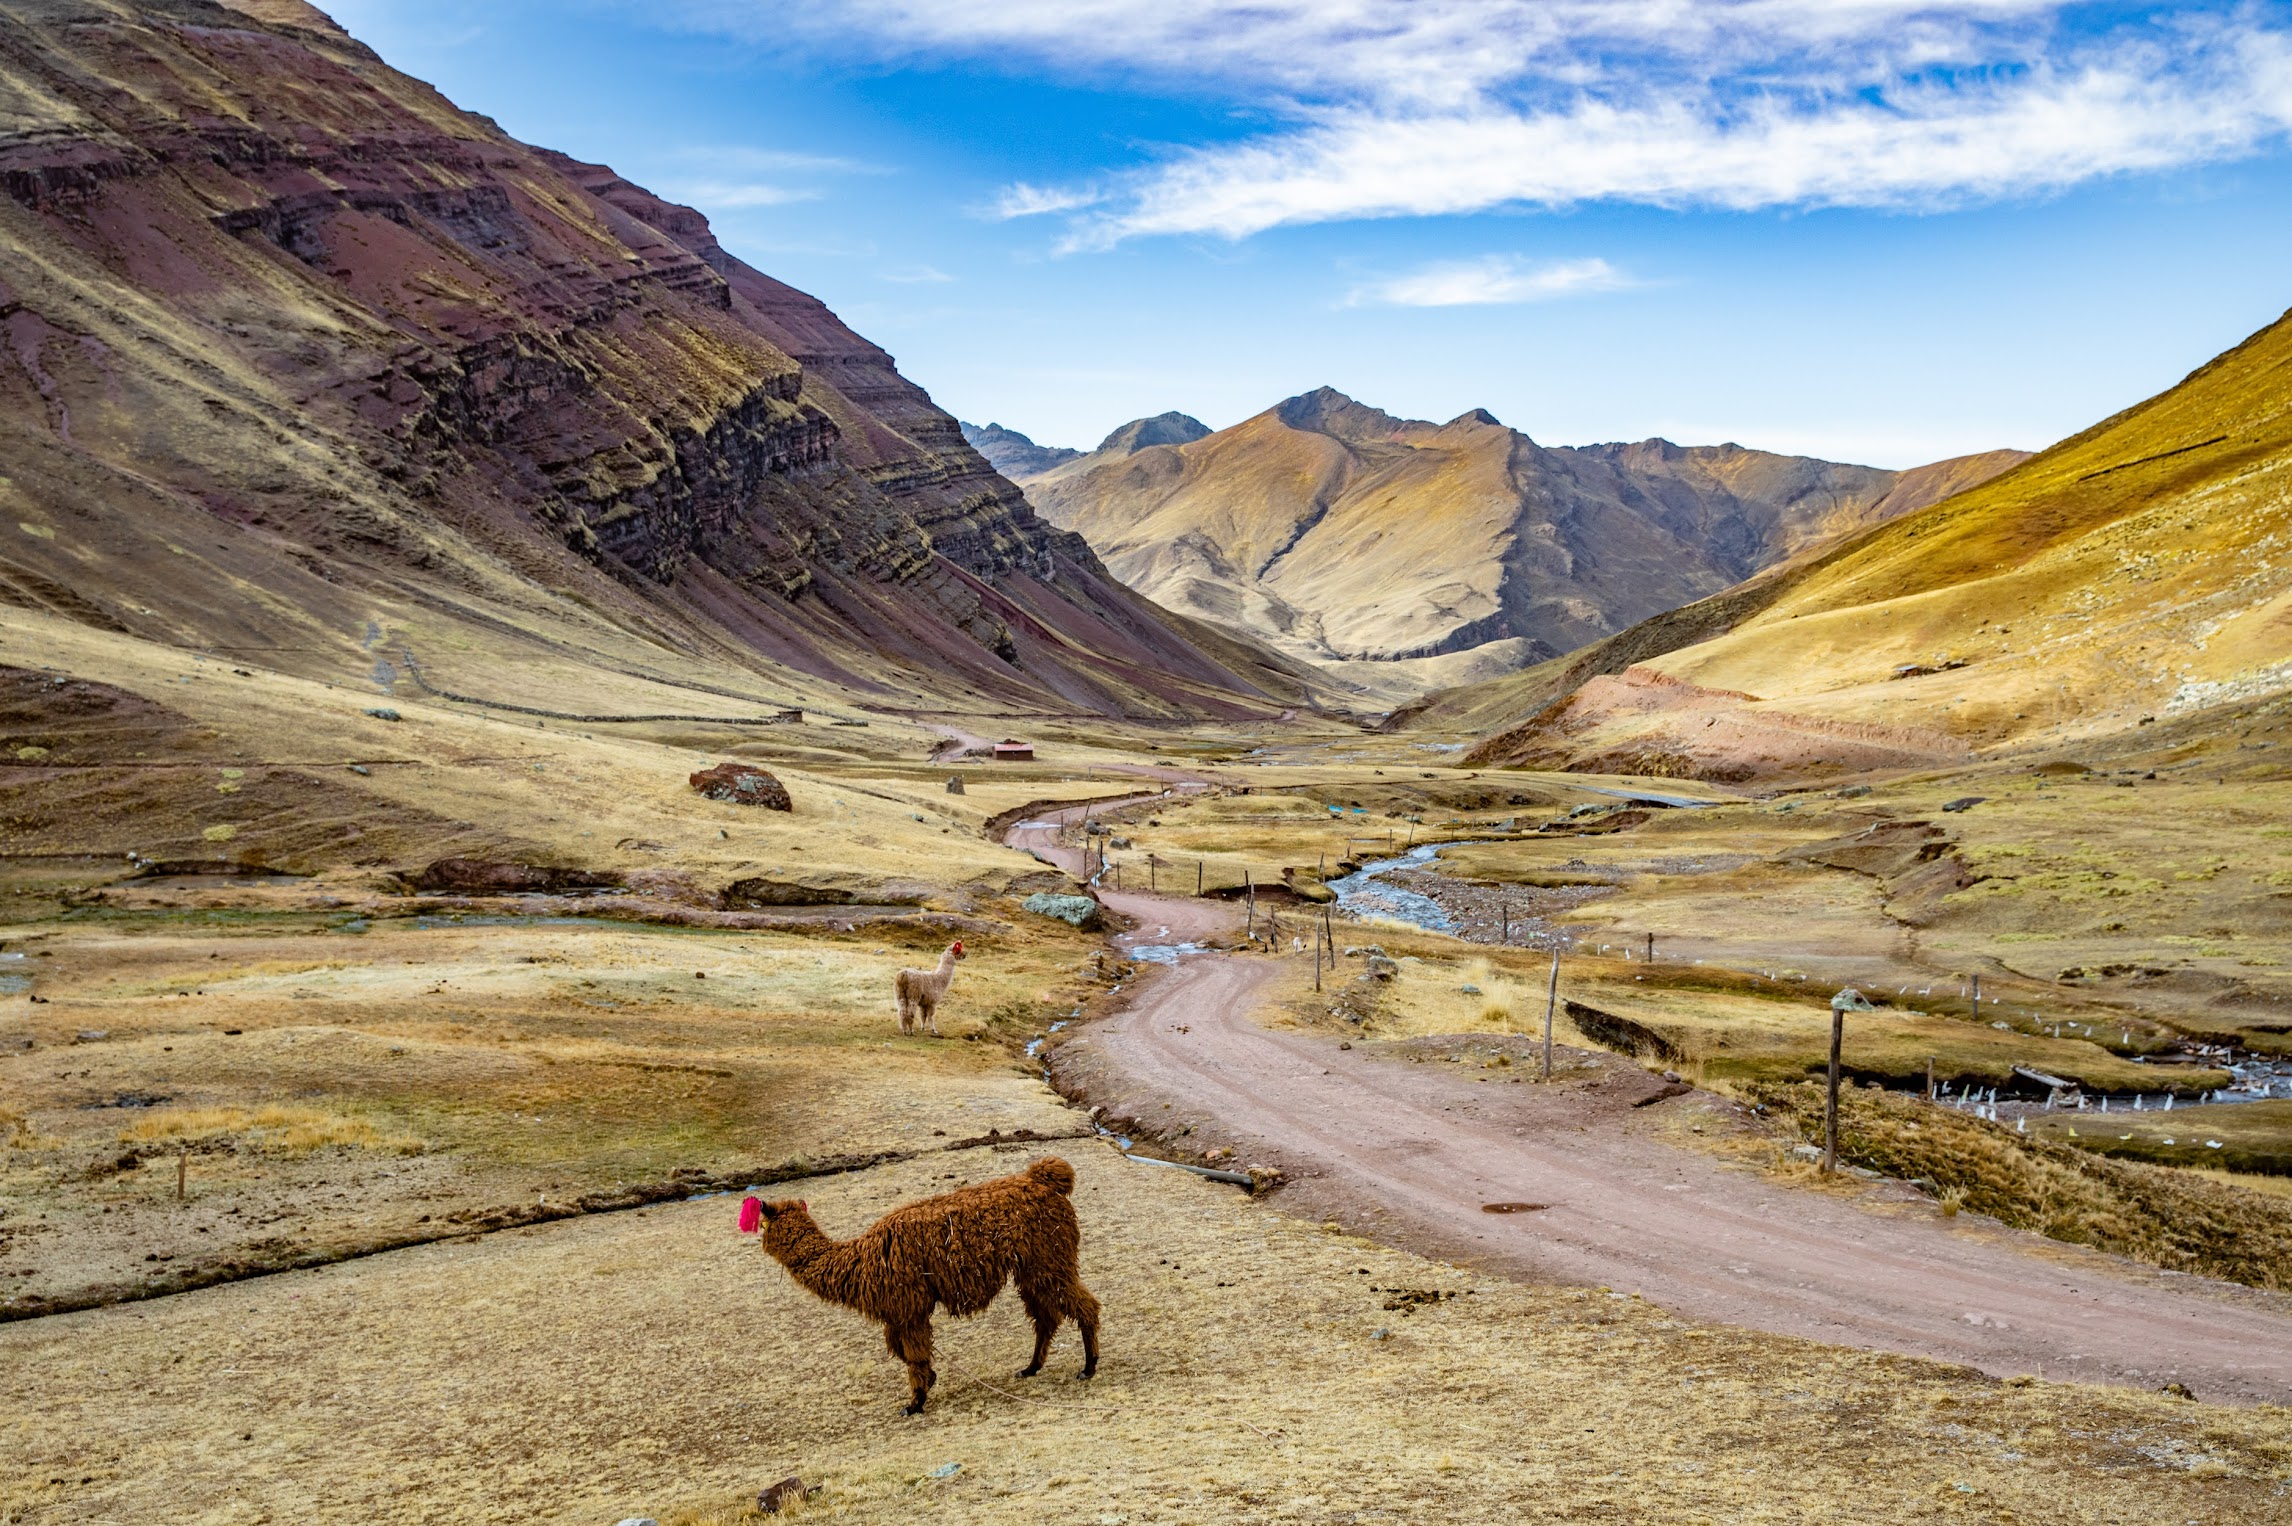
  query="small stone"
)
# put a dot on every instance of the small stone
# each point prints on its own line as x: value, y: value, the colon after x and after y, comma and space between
x: 638, y: 1520
x: 385, y: 713
x: 955, y: 784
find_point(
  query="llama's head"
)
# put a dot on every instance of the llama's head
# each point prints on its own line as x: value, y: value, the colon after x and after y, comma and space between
x: 785, y: 1223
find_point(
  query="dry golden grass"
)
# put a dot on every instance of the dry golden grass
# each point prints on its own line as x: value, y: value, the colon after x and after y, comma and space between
x: 274, y: 1129
x: 658, y: 1364
x: 2169, y: 1218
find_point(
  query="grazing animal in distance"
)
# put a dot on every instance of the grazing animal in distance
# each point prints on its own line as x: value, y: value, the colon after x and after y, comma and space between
x: 954, y: 1251
x: 921, y: 991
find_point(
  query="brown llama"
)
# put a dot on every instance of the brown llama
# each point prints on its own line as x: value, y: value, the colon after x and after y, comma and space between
x: 920, y: 992
x: 955, y: 1250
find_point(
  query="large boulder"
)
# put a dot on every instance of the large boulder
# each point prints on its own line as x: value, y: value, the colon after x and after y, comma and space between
x: 1076, y: 910
x: 743, y: 784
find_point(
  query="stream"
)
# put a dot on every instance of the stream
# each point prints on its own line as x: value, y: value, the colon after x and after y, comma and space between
x: 1361, y: 894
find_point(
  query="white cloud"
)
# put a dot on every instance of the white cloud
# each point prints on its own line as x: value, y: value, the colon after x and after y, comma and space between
x: 1499, y: 278
x: 917, y: 275
x: 1429, y: 107
x: 1023, y: 200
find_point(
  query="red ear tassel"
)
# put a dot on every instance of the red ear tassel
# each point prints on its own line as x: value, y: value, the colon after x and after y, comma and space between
x: 751, y: 1215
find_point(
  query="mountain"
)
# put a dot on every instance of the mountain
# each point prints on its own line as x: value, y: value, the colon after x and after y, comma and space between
x: 2132, y: 577
x: 306, y: 363
x: 1013, y: 454
x: 1347, y: 537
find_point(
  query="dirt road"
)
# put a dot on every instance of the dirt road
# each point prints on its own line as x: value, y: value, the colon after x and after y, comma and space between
x: 1412, y: 1151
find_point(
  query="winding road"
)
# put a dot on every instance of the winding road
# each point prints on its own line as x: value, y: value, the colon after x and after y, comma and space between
x: 1411, y: 1151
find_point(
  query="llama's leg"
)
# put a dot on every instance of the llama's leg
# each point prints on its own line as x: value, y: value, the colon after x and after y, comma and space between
x: 1084, y: 1308
x: 912, y: 1345
x: 906, y: 1009
x: 1045, y: 1314
x: 930, y: 1014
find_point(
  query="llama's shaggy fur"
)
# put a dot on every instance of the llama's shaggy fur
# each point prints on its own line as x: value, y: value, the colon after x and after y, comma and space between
x: 920, y: 992
x: 954, y: 1251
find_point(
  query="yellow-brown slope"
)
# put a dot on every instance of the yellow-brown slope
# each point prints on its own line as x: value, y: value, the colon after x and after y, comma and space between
x: 2137, y: 571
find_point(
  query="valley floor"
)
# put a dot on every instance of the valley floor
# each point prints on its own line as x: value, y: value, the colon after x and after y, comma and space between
x: 1257, y: 1368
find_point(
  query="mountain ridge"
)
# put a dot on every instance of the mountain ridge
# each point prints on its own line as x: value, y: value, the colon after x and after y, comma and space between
x: 307, y: 360
x: 2126, y: 577
x: 1363, y: 542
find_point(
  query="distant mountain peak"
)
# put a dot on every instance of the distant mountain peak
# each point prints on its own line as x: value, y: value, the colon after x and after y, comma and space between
x: 1325, y: 410
x: 1172, y: 428
x: 1012, y: 453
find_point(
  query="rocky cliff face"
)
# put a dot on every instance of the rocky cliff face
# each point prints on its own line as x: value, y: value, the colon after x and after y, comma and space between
x: 1346, y: 535
x: 301, y: 358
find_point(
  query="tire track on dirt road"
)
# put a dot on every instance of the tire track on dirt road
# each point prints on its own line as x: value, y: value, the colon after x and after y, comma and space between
x: 1419, y: 1148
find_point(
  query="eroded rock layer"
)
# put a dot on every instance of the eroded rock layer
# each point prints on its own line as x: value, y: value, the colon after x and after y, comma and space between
x: 296, y: 357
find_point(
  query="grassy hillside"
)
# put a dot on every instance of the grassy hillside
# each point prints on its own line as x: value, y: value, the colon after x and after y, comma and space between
x: 2130, y: 575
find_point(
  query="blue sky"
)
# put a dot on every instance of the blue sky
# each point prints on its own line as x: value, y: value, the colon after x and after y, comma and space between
x: 1875, y: 230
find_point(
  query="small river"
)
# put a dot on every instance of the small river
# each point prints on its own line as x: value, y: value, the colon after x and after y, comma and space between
x: 1363, y: 893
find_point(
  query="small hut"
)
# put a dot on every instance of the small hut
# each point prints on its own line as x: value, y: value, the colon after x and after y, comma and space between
x: 1012, y: 750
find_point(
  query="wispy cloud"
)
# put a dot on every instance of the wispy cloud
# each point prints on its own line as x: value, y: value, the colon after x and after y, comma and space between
x: 736, y: 158
x: 1023, y: 200
x: 917, y: 275
x: 713, y: 193
x: 1496, y: 279
x: 1430, y: 107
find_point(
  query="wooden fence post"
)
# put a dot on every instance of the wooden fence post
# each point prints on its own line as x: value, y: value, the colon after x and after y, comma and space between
x: 1504, y: 919
x: 1930, y: 1078
x: 1651, y: 948
x: 1551, y: 1004
x: 1249, y: 893
x: 1197, y: 877
x: 1830, y: 1103
x: 1317, y: 956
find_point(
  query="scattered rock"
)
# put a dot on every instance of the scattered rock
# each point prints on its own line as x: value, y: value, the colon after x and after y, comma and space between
x: 639, y: 1520
x: 743, y: 784
x: 1381, y: 968
x: 91, y: 1035
x: 1854, y: 792
x: 2177, y: 1391
x: 361, y: 770
x: 385, y: 713
x: 472, y: 876
x: 781, y: 1495
x: 1076, y: 910
x: 1964, y: 802
x: 758, y: 893
x: 954, y: 784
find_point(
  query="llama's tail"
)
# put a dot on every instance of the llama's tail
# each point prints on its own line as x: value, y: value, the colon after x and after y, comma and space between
x: 1053, y: 1173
